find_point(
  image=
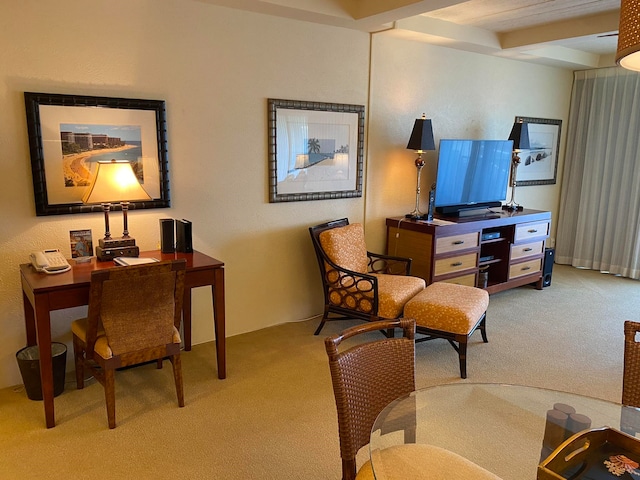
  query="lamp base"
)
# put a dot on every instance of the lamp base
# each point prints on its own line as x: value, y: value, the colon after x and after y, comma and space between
x: 419, y: 216
x: 117, y: 242
x: 105, y: 254
x: 513, y: 207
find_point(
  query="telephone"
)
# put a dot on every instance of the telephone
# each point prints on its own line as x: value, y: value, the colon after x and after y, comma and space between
x: 49, y: 261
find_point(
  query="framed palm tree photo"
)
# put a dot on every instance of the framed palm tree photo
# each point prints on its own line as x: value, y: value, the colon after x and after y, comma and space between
x: 315, y: 150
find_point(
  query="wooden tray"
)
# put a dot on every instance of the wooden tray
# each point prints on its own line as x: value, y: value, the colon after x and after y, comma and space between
x: 598, y: 454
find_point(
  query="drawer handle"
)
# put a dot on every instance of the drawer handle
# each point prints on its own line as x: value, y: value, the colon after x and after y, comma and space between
x: 527, y: 249
x: 457, y: 264
x: 458, y: 242
x: 526, y: 268
x: 533, y: 230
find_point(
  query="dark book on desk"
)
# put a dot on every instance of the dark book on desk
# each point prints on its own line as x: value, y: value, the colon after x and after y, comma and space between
x: 184, y: 242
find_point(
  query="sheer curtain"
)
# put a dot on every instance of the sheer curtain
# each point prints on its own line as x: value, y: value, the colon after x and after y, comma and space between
x: 599, y: 217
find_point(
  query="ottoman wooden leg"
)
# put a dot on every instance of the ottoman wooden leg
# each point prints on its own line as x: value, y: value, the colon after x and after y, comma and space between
x: 483, y: 328
x: 462, y: 353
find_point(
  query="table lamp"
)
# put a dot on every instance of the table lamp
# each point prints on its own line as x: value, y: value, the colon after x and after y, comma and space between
x: 628, y: 51
x: 421, y: 140
x: 115, y: 182
x: 520, y: 136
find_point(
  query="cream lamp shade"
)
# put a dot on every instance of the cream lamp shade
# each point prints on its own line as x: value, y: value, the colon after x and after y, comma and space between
x: 114, y: 181
x: 628, y: 53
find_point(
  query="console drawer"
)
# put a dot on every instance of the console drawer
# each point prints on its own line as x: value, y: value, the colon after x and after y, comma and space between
x: 526, y: 249
x: 455, y: 243
x: 525, y: 268
x: 455, y: 264
x: 531, y: 230
x: 468, y: 280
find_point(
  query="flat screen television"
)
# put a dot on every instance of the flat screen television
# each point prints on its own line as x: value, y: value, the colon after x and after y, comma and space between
x: 472, y: 174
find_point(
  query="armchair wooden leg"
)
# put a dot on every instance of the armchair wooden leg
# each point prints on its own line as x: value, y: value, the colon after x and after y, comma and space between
x: 110, y: 396
x: 322, y: 322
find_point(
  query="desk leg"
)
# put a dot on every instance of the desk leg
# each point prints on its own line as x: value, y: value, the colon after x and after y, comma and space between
x: 186, y: 318
x: 29, y: 321
x: 217, y: 294
x: 43, y: 330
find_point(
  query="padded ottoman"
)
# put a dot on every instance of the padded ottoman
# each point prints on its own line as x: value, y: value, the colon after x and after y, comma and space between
x: 450, y: 311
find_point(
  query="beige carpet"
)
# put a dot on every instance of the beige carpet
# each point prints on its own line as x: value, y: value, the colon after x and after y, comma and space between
x: 274, y: 416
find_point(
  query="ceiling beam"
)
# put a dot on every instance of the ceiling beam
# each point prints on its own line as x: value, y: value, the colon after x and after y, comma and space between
x: 577, y: 27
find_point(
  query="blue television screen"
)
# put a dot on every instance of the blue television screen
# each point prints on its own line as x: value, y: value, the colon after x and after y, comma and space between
x: 472, y: 174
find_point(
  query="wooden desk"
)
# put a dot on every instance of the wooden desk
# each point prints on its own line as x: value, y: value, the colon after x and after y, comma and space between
x: 42, y: 293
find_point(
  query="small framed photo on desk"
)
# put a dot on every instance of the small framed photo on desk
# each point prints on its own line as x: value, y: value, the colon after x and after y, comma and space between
x: 81, y: 243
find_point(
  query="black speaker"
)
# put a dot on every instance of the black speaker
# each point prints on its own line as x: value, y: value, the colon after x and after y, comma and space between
x: 184, y: 242
x: 547, y: 268
x: 167, y: 228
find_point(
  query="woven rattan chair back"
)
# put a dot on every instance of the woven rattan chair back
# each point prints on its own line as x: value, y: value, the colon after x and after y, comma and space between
x: 138, y: 309
x: 366, y: 378
x: 137, y: 306
x: 631, y: 375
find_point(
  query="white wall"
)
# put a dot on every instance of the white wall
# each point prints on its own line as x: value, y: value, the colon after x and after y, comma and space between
x: 466, y: 95
x: 216, y: 68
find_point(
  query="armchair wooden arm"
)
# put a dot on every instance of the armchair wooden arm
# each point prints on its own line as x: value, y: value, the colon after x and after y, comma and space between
x: 350, y: 291
x: 391, y: 265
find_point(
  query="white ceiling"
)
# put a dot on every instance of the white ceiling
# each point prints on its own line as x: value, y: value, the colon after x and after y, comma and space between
x: 574, y: 34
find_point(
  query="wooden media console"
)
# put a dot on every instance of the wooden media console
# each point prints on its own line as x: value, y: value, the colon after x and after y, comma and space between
x: 506, y: 246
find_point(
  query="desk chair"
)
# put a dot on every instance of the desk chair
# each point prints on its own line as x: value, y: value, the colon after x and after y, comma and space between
x: 134, y: 317
x: 631, y: 375
x: 630, y: 419
x: 366, y: 378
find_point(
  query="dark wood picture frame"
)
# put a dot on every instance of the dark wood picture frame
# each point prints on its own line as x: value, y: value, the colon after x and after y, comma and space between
x: 342, y: 127
x: 544, y: 133
x: 94, y: 105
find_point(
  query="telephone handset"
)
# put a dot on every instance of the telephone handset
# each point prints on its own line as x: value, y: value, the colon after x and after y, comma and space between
x: 49, y: 261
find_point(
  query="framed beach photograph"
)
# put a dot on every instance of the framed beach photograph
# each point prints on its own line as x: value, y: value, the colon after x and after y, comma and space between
x: 315, y: 150
x: 539, y: 164
x: 68, y: 134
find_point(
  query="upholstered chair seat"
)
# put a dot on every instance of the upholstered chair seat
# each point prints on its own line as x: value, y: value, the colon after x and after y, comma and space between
x: 422, y: 462
x: 102, y: 347
x: 394, y: 291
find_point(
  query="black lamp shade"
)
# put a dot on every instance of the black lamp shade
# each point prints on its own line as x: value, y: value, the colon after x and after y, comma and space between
x: 520, y: 136
x: 421, y: 136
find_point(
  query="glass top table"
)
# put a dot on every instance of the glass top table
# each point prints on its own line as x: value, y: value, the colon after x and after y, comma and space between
x: 506, y: 429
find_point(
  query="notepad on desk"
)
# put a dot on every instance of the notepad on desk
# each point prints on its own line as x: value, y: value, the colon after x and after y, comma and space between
x: 127, y: 261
